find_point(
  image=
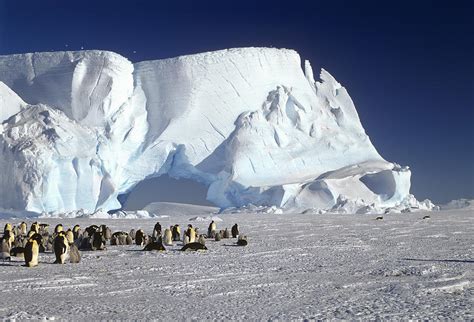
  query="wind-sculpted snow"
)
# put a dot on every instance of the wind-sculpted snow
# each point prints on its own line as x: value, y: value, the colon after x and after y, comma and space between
x: 248, y: 123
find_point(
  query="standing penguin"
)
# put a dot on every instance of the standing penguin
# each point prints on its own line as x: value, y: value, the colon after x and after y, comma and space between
x: 61, y: 247
x: 132, y: 234
x: 235, y: 231
x: 201, y: 240
x: 76, y: 230
x: 8, y: 227
x: 106, y: 232
x: 6, y: 245
x: 176, y: 232
x: 226, y: 233
x: 70, y: 236
x: 211, y: 231
x: 74, y: 254
x: 168, y: 240
x: 35, y: 227
x: 23, y: 229
x: 32, y: 250
x: 140, y: 238
x: 98, y: 241
x: 191, y: 233
x: 156, y: 231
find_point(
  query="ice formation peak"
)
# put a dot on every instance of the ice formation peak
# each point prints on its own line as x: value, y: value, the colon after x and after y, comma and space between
x: 249, y: 123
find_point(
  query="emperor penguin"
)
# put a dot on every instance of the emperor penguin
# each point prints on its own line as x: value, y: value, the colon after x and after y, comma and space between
x: 23, y: 229
x: 61, y: 247
x: 59, y: 228
x: 74, y: 254
x: 201, y: 240
x: 32, y: 250
x: 44, y: 230
x: 218, y: 236
x: 235, y: 231
x: 35, y: 227
x: 186, y: 240
x: 70, y: 236
x: 106, y: 232
x: 211, y: 231
x: 155, y: 245
x: 132, y: 234
x: 226, y: 233
x: 97, y: 241
x: 140, y: 238
x: 8, y: 227
x: 191, y: 233
x: 176, y: 232
x: 76, y: 230
x: 242, y: 241
x: 6, y: 245
x: 168, y: 240
x: 193, y: 246
x: 156, y: 231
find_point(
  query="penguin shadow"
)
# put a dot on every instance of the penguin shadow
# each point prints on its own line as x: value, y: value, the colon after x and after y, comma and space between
x: 231, y: 245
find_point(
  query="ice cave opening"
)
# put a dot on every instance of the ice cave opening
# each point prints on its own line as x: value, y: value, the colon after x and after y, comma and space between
x: 164, y: 189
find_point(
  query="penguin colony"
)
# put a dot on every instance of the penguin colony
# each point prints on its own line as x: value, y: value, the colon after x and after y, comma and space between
x: 18, y: 241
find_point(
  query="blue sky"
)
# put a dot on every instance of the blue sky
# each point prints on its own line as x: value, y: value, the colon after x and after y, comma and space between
x: 408, y: 65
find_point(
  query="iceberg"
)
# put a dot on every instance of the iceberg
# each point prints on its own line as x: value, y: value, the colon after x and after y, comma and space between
x: 80, y: 129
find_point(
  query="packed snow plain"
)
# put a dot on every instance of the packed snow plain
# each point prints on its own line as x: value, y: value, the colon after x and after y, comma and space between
x: 301, y: 266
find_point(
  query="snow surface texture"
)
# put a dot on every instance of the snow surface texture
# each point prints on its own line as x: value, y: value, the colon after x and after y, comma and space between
x: 302, y: 266
x: 248, y: 123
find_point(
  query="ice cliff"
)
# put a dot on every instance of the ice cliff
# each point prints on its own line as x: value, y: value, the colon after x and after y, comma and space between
x: 82, y: 128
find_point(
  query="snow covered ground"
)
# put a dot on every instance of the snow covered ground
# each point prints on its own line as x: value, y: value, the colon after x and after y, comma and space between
x: 295, y: 267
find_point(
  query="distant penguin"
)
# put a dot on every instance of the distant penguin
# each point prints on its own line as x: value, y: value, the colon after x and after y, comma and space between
x: 8, y: 227
x: 140, y: 238
x: 235, y: 231
x: 186, y: 240
x: 218, y: 236
x: 211, y: 231
x: 44, y: 229
x: 132, y: 234
x: 226, y: 233
x: 155, y: 245
x: 76, y: 230
x: 23, y: 229
x: 74, y: 254
x: 91, y: 230
x: 97, y: 241
x: 191, y: 233
x: 61, y: 248
x: 156, y: 231
x: 426, y: 217
x: 6, y: 245
x: 176, y: 232
x: 106, y: 232
x: 201, y: 240
x: 32, y: 250
x: 70, y: 236
x: 59, y: 228
x: 242, y: 241
x: 168, y: 240
x: 35, y: 227
x: 128, y: 239
x: 379, y: 218
x: 193, y: 247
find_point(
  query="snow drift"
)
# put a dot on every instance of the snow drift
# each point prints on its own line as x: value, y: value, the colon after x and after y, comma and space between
x: 249, y: 123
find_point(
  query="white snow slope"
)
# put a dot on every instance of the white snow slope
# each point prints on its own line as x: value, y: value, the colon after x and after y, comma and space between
x: 295, y: 267
x: 249, y: 123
